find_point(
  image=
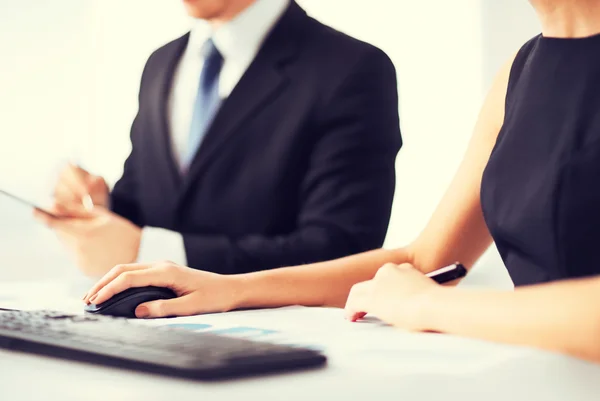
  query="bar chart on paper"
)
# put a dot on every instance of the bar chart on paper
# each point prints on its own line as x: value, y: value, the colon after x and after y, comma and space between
x: 248, y: 332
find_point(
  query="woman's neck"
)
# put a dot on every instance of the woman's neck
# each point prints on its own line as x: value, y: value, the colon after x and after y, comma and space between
x: 568, y: 18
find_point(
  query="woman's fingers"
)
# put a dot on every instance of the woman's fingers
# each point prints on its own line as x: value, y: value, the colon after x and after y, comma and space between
x: 110, y: 276
x: 132, y: 279
x: 181, y: 306
x: 357, y: 303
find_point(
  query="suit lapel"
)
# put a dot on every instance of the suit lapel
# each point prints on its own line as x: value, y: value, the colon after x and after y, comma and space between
x: 260, y: 84
x: 160, y: 100
x: 263, y: 81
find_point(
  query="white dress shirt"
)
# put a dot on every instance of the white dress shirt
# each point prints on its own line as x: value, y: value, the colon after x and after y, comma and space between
x: 238, y: 41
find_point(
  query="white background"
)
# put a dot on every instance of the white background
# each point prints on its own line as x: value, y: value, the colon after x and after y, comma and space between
x: 71, y: 69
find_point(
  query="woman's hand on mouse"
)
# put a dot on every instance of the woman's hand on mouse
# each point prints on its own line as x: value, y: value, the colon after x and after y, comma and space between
x: 197, y: 291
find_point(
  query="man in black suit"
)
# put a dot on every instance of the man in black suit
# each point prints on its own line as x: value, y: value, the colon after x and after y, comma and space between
x: 263, y: 139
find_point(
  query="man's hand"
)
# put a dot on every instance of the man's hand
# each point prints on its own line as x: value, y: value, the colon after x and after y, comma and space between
x: 397, y: 295
x: 75, y: 184
x: 198, y: 291
x: 97, y: 240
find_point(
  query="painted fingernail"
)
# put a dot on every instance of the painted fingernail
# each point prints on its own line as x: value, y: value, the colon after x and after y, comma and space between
x: 142, y: 312
x: 92, y: 299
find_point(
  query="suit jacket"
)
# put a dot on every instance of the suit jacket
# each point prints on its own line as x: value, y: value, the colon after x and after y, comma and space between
x: 297, y: 166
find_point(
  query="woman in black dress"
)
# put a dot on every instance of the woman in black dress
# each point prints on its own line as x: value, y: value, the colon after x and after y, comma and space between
x: 530, y: 181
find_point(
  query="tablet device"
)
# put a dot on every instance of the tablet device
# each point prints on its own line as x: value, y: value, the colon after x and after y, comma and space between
x: 28, y: 203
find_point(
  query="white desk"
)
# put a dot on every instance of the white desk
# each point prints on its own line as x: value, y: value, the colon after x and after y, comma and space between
x: 367, y: 361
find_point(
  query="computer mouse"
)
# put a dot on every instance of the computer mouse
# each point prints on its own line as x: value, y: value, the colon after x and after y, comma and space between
x: 124, y: 303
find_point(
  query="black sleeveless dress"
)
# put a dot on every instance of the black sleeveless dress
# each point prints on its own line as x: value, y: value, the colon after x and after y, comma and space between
x: 540, y: 191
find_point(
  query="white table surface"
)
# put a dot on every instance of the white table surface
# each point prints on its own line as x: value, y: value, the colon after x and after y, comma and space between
x: 366, y: 360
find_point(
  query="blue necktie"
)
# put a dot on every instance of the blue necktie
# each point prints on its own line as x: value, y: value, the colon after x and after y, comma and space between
x: 207, y: 102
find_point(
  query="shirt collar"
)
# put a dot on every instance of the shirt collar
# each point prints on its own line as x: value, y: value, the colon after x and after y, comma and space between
x: 241, y: 37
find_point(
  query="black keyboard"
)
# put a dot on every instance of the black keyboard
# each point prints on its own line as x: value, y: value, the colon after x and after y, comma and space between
x: 121, y: 343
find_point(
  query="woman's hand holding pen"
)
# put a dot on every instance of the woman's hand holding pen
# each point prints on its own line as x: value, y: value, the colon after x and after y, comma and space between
x: 398, y: 295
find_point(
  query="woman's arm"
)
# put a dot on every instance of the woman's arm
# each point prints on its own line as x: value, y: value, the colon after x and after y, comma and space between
x: 561, y: 316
